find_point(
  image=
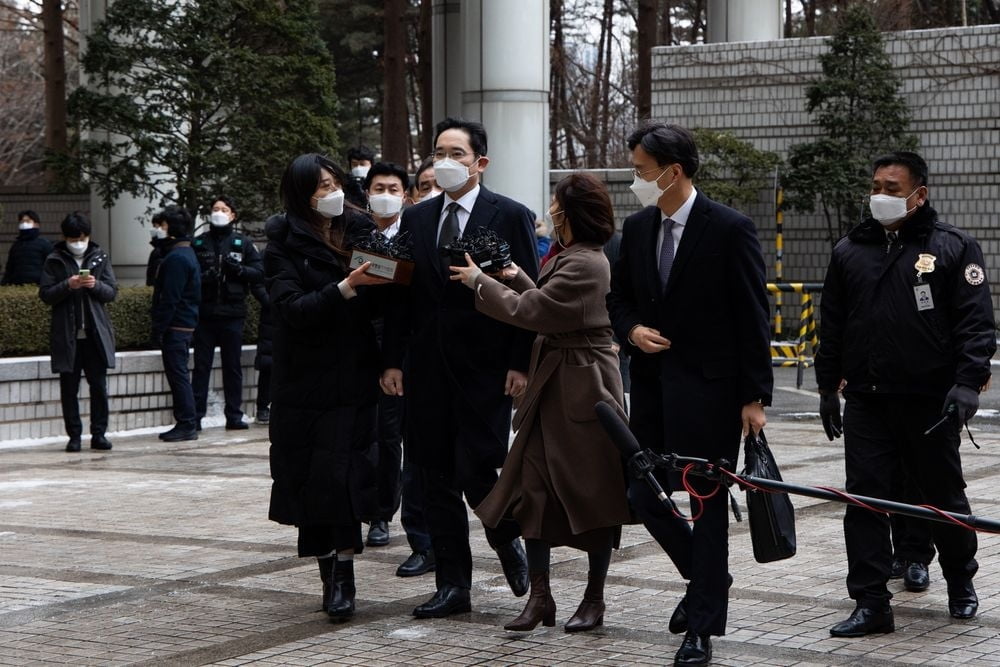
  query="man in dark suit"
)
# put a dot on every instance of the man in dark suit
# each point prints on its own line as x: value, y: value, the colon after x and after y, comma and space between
x: 688, y: 301
x: 462, y: 368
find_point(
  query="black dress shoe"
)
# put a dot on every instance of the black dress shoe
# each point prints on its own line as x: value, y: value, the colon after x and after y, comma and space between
x: 679, y: 619
x: 694, y: 650
x: 73, y: 445
x: 446, y: 601
x: 378, y: 534
x: 237, y: 426
x: 916, y: 578
x: 864, y: 621
x: 179, y: 433
x: 418, y: 563
x: 963, y: 602
x: 897, y: 568
x: 515, y: 566
x: 99, y: 442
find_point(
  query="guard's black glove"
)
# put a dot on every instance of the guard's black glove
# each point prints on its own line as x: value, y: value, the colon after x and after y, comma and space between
x: 829, y: 412
x: 231, y: 267
x: 966, y: 402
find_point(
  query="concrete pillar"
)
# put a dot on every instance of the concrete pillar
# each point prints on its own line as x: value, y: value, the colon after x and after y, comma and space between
x: 503, y: 75
x: 744, y: 20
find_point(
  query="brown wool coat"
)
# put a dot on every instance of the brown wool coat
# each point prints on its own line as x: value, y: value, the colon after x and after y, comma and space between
x: 572, y: 367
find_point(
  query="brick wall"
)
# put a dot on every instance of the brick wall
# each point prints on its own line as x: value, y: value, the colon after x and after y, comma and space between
x: 951, y: 82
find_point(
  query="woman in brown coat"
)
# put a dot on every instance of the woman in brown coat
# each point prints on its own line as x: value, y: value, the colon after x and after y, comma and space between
x: 562, y: 479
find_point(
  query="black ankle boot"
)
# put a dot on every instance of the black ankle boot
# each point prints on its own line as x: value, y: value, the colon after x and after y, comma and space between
x: 326, y: 575
x: 341, y: 605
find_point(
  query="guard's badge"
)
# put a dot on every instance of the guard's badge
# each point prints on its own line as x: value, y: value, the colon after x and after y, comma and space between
x: 974, y: 274
x: 924, y: 264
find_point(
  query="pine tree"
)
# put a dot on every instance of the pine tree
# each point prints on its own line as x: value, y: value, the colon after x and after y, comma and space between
x: 190, y: 99
x: 858, y: 106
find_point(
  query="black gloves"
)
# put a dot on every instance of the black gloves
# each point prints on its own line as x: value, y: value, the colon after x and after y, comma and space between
x: 829, y: 412
x: 965, y: 400
x: 231, y: 267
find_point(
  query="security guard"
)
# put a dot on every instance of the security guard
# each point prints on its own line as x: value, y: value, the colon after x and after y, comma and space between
x: 229, y: 265
x: 907, y: 331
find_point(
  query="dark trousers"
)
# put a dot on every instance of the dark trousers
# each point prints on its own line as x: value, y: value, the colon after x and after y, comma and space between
x: 90, y: 360
x: 700, y: 553
x: 911, y: 537
x: 388, y: 476
x: 174, y: 350
x: 227, y: 334
x: 880, y: 434
x: 263, y: 388
x: 448, y: 521
x: 412, y: 513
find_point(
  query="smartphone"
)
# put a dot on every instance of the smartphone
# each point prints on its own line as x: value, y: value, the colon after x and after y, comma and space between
x: 84, y: 273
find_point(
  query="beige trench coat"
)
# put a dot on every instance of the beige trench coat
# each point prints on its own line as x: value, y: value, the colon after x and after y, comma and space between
x: 572, y: 368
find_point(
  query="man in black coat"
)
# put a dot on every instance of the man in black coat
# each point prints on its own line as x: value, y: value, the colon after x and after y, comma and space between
x: 230, y: 265
x: 462, y: 368
x: 907, y: 332
x: 689, y: 303
x: 77, y: 281
x: 28, y: 253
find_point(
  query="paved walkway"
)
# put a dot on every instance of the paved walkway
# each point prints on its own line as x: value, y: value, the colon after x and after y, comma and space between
x: 162, y: 554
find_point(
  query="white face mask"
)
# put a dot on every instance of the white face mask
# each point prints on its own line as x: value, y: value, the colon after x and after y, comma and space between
x: 888, y: 209
x: 647, y: 191
x: 157, y: 233
x: 25, y: 225
x: 433, y: 193
x: 219, y: 218
x: 450, y: 175
x: 77, y: 248
x: 385, y: 205
x: 359, y: 171
x: 331, y: 205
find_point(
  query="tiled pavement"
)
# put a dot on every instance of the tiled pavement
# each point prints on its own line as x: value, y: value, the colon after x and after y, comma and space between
x: 162, y: 555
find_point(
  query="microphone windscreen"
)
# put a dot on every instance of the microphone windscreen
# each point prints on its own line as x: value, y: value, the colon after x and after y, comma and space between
x: 616, y: 428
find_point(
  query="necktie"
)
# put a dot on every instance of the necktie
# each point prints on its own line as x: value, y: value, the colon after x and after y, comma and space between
x: 449, y: 230
x: 890, y: 241
x: 666, y: 252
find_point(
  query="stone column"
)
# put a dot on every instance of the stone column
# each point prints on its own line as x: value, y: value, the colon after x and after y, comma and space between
x: 744, y: 20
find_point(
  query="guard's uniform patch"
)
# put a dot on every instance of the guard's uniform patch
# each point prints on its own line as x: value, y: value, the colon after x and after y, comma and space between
x: 974, y: 274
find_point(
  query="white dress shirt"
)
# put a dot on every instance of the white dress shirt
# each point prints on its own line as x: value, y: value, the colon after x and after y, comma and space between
x: 465, y: 204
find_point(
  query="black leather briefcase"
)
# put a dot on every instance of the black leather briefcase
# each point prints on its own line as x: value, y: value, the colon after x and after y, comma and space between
x: 772, y: 517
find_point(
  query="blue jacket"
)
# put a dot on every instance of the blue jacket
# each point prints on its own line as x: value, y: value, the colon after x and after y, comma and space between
x: 177, y: 292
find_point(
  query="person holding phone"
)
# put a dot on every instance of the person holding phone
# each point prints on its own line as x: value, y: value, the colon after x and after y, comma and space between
x: 77, y: 281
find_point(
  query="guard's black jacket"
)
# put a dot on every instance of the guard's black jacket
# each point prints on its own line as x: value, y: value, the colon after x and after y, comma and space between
x: 871, y: 331
x: 229, y: 265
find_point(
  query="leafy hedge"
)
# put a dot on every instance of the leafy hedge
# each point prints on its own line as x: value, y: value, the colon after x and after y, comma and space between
x: 24, y: 320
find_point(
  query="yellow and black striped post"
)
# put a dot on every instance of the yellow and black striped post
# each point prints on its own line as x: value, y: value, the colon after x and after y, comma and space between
x: 785, y: 354
x: 779, y: 250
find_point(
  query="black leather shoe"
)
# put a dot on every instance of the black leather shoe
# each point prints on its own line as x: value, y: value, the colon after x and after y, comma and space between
x: 342, y: 591
x: 963, y: 602
x: 237, y: 426
x: 378, y: 534
x: 515, y: 566
x: 446, y: 601
x: 99, y: 442
x: 263, y: 416
x: 864, y: 621
x: 73, y: 445
x: 178, y: 433
x: 679, y: 619
x: 694, y: 650
x: 916, y: 578
x: 897, y: 568
x: 418, y: 563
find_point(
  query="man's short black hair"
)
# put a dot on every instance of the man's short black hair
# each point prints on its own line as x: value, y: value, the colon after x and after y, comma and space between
x: 75, y: 225
x: 667, y: 144
x: 387, y: 169
x: 361, y: 152
x: 228, y: 201
x: 178, y: 220
x: 29, y: 214
x: 913, y: 163
x: 476, y: 132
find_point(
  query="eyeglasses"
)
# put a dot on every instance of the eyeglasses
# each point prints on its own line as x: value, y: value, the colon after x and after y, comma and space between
x: 638, y: 174
x: 457, y: 155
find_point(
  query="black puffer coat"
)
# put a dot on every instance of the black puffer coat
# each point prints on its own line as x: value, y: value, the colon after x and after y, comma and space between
x: 26, y: 256
x: 324, y: 380
x: 72, y: 308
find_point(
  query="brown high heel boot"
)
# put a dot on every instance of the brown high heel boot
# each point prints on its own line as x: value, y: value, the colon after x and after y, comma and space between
x: 590, y: 613
x: 540, y: 606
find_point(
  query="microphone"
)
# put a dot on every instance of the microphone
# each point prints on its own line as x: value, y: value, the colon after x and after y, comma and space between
x: 638, y: 460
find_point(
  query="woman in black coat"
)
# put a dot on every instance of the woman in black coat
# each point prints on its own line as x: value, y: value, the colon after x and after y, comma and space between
x: 326, y: 366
